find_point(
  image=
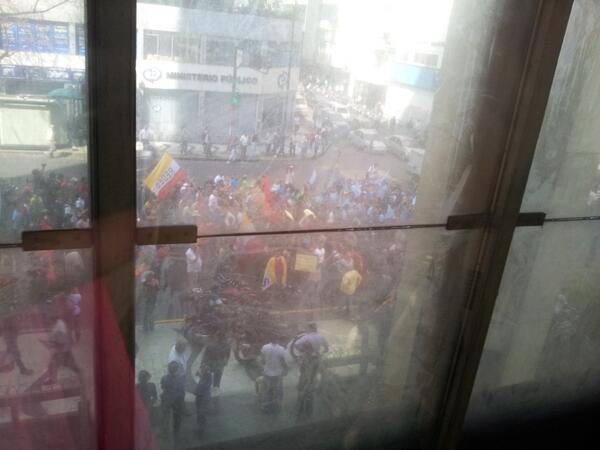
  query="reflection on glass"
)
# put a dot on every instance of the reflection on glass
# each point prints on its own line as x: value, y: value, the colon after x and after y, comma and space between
x: 43, y: 117
x: 565, y: 176
x: 46, y: 350
x: 249, y: 335
x: 542, y: 348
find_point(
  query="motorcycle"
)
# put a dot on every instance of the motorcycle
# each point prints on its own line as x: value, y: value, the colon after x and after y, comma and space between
x: 255, y: 330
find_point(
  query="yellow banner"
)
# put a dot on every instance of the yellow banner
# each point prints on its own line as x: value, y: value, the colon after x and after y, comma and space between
x: 305, y: 263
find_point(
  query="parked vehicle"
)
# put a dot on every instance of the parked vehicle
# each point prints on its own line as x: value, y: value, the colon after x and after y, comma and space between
x: 339, y: 108
x: 395, y: 144
x: 415, y: 160
x: 367, y: 140
x: 256, y: 328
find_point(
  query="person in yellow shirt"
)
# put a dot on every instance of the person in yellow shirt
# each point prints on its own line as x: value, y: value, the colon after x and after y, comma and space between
x: 351, y: 281
x: 275, y: 272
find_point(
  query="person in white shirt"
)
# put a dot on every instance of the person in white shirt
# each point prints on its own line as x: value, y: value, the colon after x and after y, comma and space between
x: 274, y: 369
x: 244, y: 145
x: 213, y: 201
x: 179, y: 353
x: 61, y: 355
x: 312, y: 342
x: 193, y: 265
x: 74, y: 305
x: 51, y: 138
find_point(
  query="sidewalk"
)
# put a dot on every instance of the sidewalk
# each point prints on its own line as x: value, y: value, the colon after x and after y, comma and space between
x: 220, y: 153
x: 235, y: 413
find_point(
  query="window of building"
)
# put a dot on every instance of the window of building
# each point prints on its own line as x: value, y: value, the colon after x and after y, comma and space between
x: 187, y: 49
x: 426, y: 59
x: 161, y: 45
x: 220, y: 52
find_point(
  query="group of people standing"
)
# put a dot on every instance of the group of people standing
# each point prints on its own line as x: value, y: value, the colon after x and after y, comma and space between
x: 169, y: 408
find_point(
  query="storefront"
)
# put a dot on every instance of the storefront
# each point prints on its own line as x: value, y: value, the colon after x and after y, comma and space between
x: 197, y: 97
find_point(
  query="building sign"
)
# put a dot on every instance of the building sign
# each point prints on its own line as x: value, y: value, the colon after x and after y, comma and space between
x: 416, y: 76
x: 282, y: 80
x: 153, y: 74
x: 210, y: 78
x: 42, y: 73
x: 35, y: 36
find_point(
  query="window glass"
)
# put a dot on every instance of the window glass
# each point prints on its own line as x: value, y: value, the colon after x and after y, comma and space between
x: 370, y: 296
x: 43, y: 118
x: 268, y: 162
x: 47, y: 351
x: 565, y: 176
x: 284, y: 132
x: 541, y: 352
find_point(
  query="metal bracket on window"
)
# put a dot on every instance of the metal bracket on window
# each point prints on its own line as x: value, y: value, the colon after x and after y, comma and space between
x: 473, y: 221
x: 534, y: 219
x: 176, y: 234
x: 56, y: 239
x: 467, y: 221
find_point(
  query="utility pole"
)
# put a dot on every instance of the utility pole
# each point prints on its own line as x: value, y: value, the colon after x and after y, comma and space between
x: 234, y: 96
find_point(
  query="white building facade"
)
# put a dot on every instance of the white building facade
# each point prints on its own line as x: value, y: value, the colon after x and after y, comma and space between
x: 185, y: 69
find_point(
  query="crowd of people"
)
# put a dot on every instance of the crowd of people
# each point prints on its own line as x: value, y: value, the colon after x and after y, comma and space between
x: 44, y: 201
x: 247, y: 204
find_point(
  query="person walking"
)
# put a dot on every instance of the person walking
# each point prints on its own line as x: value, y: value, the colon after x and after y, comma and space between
x: 274, y: 369
x: 244, y: 146
x: 11, y: 335
x: 150, y: 286
x: 172, y: 398
x: 51, y: 138
x: 203, y: 396
x: 74, y: 311
x: 215, y: 358
x: 206, y: 144
x: 147, y: 391
x: 61, y: 354
x: 193, y: 258
x: 146, y: 136
x: 351, y: 280
x: 179, y: 354
x: 310, y: 347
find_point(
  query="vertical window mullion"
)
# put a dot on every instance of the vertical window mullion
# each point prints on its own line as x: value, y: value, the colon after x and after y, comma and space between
x: 547, y: 24
x: 111, y: 72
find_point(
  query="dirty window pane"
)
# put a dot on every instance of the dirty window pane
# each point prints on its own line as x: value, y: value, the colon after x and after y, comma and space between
x: 47, y: 351
x: 565, y: 177
x: 43, y: 117
x: 377, y: 300
x: 542, y: 350
x: 304, y: 115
